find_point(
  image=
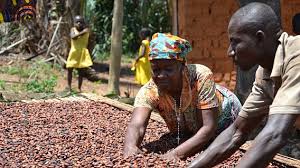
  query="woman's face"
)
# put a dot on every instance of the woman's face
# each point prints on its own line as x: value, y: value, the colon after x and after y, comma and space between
x: 167, y: 74
x: 79, y: 23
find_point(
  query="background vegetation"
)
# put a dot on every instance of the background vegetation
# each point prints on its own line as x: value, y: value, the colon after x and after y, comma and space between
x: 153, y: 14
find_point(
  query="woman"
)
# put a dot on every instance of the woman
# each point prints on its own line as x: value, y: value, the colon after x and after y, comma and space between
x: 184, y: 95
x: 142, y: 64
x: 79, y: 56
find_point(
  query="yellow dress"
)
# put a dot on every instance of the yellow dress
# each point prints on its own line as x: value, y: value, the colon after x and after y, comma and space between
x: 1, y: 18
x: 143, y: 68
x: 79, y: 56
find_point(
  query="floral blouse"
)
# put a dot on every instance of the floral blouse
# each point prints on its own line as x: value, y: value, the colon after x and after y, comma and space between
x: 198, y: 92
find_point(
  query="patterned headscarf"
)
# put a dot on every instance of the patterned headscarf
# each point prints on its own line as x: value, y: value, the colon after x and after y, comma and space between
x: 167, y: 46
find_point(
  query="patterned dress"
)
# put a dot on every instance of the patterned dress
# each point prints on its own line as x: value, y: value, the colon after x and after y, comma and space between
x: 198, y: 92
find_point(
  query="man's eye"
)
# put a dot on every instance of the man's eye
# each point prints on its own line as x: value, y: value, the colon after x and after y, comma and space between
x: 155, y: 71
x: 169, y: 69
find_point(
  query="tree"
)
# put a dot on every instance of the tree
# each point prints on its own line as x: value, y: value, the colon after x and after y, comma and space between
x: 245, y: 79
x: 116, y: 47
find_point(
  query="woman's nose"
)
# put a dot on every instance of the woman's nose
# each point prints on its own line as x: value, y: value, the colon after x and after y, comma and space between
x: 162, y: 74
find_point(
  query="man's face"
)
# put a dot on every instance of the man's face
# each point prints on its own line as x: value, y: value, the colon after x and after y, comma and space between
x: 243, y: 48
x: 166, y: 74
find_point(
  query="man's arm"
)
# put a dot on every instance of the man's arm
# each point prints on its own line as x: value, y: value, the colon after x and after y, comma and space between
x: 75, y: 35
x: 204, y: 134
x: 136, y: 130
x: 269, y: 141
x: 226, y: 143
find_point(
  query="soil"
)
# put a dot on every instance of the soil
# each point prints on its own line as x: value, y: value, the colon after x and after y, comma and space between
x: 127, y: 81
x: 79, y: 134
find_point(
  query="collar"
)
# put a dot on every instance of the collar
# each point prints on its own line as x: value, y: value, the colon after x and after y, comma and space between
x: 279, y: 56
x: 278, y: 60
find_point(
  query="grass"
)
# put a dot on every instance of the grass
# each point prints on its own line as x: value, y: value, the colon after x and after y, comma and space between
x: 35, y: 77
x: 2, y: 84
x: 42, y: 86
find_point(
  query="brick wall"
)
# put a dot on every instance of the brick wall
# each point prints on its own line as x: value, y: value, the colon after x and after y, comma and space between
x: 288, y: 9
x: 204, y: 23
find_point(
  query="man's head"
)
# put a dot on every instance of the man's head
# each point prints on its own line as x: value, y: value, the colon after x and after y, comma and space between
x: 168, y: 58
x: 79, y: 22
x: 296, y: 24
x: 253, y: 34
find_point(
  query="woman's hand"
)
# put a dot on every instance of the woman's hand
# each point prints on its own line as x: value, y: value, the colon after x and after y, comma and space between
x: 131, y: 150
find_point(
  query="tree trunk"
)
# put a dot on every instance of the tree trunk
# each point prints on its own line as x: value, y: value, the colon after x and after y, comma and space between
x: 116, y: 47
x: 245, y: 79
x: 75, y: 7
x: 173, y: 11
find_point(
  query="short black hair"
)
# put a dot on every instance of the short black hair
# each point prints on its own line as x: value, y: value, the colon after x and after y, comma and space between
x: 296, y: 23
x: 79, y: 18
x: 145, y: 32
x: 258, y: 16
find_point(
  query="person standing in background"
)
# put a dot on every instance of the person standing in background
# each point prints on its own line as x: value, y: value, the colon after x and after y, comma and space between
x: 79, y: 56
x: 142, y: 65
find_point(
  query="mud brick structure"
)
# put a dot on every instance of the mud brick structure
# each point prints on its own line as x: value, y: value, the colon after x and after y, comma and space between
x: 204, y: 23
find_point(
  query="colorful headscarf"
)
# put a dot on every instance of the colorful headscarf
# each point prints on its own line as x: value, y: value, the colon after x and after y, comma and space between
x: 167, y: 46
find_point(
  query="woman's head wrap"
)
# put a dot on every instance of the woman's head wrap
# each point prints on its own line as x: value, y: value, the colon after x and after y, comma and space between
x: 167, y: 46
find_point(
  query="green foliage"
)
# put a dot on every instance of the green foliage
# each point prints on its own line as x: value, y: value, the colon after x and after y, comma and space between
x: 102, y: 56
x: 42, y: 86
x: 37, y: 78
x: 43, y: 78
x: 14, y: 70
x: 2, y: 84
x: 137, y: 14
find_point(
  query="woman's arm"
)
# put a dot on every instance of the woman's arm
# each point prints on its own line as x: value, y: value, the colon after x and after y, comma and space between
x: 200, y: 139
x: 136, y: 130
x: 141, y: 52
x: 75, y: 35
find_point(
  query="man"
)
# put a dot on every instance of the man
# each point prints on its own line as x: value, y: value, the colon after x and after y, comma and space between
x: 256, y: 38
x: 296, y: 24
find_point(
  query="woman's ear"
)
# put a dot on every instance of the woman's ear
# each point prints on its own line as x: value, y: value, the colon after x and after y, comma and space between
x: 182, y: 66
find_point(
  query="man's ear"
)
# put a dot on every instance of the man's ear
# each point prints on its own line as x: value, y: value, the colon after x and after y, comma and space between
x: 260, y: 35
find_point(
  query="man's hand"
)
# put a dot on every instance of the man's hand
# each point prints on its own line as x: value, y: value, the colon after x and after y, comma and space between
x: 131, y: 150
x: 171, y: 155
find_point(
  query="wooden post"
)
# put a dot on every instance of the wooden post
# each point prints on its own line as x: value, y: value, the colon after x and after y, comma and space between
x: 53, y: 37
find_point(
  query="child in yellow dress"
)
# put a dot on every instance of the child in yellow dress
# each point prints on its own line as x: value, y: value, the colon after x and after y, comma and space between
x: 79, y: 56
x: 142, y: 64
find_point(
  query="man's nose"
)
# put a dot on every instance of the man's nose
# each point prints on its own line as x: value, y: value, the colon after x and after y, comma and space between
x: 230, y: 52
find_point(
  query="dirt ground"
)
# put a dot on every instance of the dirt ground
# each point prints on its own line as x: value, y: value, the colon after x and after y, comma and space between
x: 127, y: 81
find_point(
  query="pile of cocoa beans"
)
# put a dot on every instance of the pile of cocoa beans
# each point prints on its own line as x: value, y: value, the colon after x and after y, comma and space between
x: 79, y: 134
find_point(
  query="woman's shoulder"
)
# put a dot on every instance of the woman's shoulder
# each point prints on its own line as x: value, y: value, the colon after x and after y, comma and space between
x: 148, y: 94
x: 146, y: 42
x: 149, y: 89
x: 199, y: 69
